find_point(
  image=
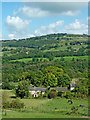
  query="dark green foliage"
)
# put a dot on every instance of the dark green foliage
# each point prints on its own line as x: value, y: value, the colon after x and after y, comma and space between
x: 81, y: 89
x: 8, y: 86
x: 59, y: 93
x: 22, y: 89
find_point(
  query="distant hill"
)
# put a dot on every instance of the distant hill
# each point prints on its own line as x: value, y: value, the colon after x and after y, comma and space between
x: 48, y: 46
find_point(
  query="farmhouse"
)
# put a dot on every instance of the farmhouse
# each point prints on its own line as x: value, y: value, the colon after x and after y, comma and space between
x: 35, y: 91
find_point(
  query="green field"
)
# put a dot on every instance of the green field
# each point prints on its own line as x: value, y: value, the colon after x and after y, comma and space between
x: 65, y: 58
x: 71, y: 57
x: 47, y: 108
x: 15, y: 114
x: 28, y: 59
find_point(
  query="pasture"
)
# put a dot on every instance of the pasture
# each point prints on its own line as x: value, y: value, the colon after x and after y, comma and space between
x: 47, y: 108
x: 71, y: 57
x: 68, y: 58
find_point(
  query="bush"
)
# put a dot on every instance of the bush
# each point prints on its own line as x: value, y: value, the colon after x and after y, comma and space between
x: 16, y: 104
x: 7, y: 86
x: 74, y: 109
x: 13, y: 104
x: 52, y: 94
x: 6, y: 105
x: 59, y: 93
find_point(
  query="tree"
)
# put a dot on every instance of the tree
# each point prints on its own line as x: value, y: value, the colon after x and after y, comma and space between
x: 64, y: 80
x: 38, y: 78
x: 50, y: 80
x: 22, y: 89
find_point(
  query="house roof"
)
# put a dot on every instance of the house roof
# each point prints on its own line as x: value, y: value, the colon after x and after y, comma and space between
x: 38, y: 89
x: 72, y: 85
x: 63, y: 89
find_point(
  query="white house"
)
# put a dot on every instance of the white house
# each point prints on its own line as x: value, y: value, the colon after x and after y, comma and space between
x: 35, y: 91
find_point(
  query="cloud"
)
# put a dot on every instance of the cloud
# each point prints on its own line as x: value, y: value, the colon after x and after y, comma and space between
x: 17, y: 27
x: 43, y: 30
x: 31, y: 12
x: 42, y: 9
x: 16, y: 24
x: 19, y: 36
x: 76, y: 27
x: 11, y: 36
x: 51, y: 28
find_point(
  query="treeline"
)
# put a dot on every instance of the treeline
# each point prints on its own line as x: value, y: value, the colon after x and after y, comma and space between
x: 11, y: 72
x: 36, y: 42
x: 40, y: 54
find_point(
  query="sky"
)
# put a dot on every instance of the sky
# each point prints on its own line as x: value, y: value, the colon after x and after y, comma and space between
x: 29, y: 19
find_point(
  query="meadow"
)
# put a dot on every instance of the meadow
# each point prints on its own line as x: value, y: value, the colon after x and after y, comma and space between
x: 46, y: 108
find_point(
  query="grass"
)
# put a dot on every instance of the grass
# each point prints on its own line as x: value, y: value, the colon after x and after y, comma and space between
x: 15, y: 114
x: 9, y: 92
x: 47, y: 108
x: 56, y: 58
x: 33, y: 103
x: 28, y: 59
x: 70, y: 57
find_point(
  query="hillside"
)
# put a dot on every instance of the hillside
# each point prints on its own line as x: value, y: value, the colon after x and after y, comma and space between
x: 34, y: 56
x: 49, y: 46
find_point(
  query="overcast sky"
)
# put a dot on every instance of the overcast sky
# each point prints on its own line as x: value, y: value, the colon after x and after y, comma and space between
x: 29, y: 19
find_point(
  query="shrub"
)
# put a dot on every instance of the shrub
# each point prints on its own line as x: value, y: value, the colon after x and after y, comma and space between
x: 6, y: 105
x: 7, y: 86
x: 74, y: 109
x: 16, y: 104
x: 13, y: 104
x: 63, y: 94
x: 52, y: 94
x: 59, y: 93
